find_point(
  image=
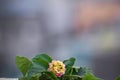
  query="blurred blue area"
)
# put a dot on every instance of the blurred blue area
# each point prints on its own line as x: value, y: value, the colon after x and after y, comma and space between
x: 23, y: 7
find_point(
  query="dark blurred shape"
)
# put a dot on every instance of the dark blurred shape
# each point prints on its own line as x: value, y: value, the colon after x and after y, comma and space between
x: 107, y: 64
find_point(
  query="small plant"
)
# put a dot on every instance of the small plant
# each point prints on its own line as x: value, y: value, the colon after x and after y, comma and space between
x: 43, y: 67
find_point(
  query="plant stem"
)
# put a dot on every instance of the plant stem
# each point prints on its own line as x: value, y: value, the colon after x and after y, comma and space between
x: 71, y: 77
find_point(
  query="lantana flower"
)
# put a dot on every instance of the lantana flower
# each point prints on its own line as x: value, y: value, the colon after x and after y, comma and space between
x: 57, y: 67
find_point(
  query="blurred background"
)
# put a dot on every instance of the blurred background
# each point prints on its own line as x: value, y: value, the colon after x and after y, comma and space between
x: 85, y: 29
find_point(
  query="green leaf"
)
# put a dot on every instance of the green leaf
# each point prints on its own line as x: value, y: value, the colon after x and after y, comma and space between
x: 43, y: 60
x: 68, y: 71
x: 76, y: 70
x: 90, y: 76
x: 23, y: 78
x: 47, y: 75
x: 71, y: 77
x: 34, y: 77
x: 23, y: 64
x: 35, y: 69
x: 70, y: 62
x: 118, y: 78
x: 81, y: 71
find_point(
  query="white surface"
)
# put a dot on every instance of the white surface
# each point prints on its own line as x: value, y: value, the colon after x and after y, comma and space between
x: 8, y: 79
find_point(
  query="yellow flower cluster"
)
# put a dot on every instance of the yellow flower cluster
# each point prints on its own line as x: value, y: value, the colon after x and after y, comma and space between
x: 57, y: 67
